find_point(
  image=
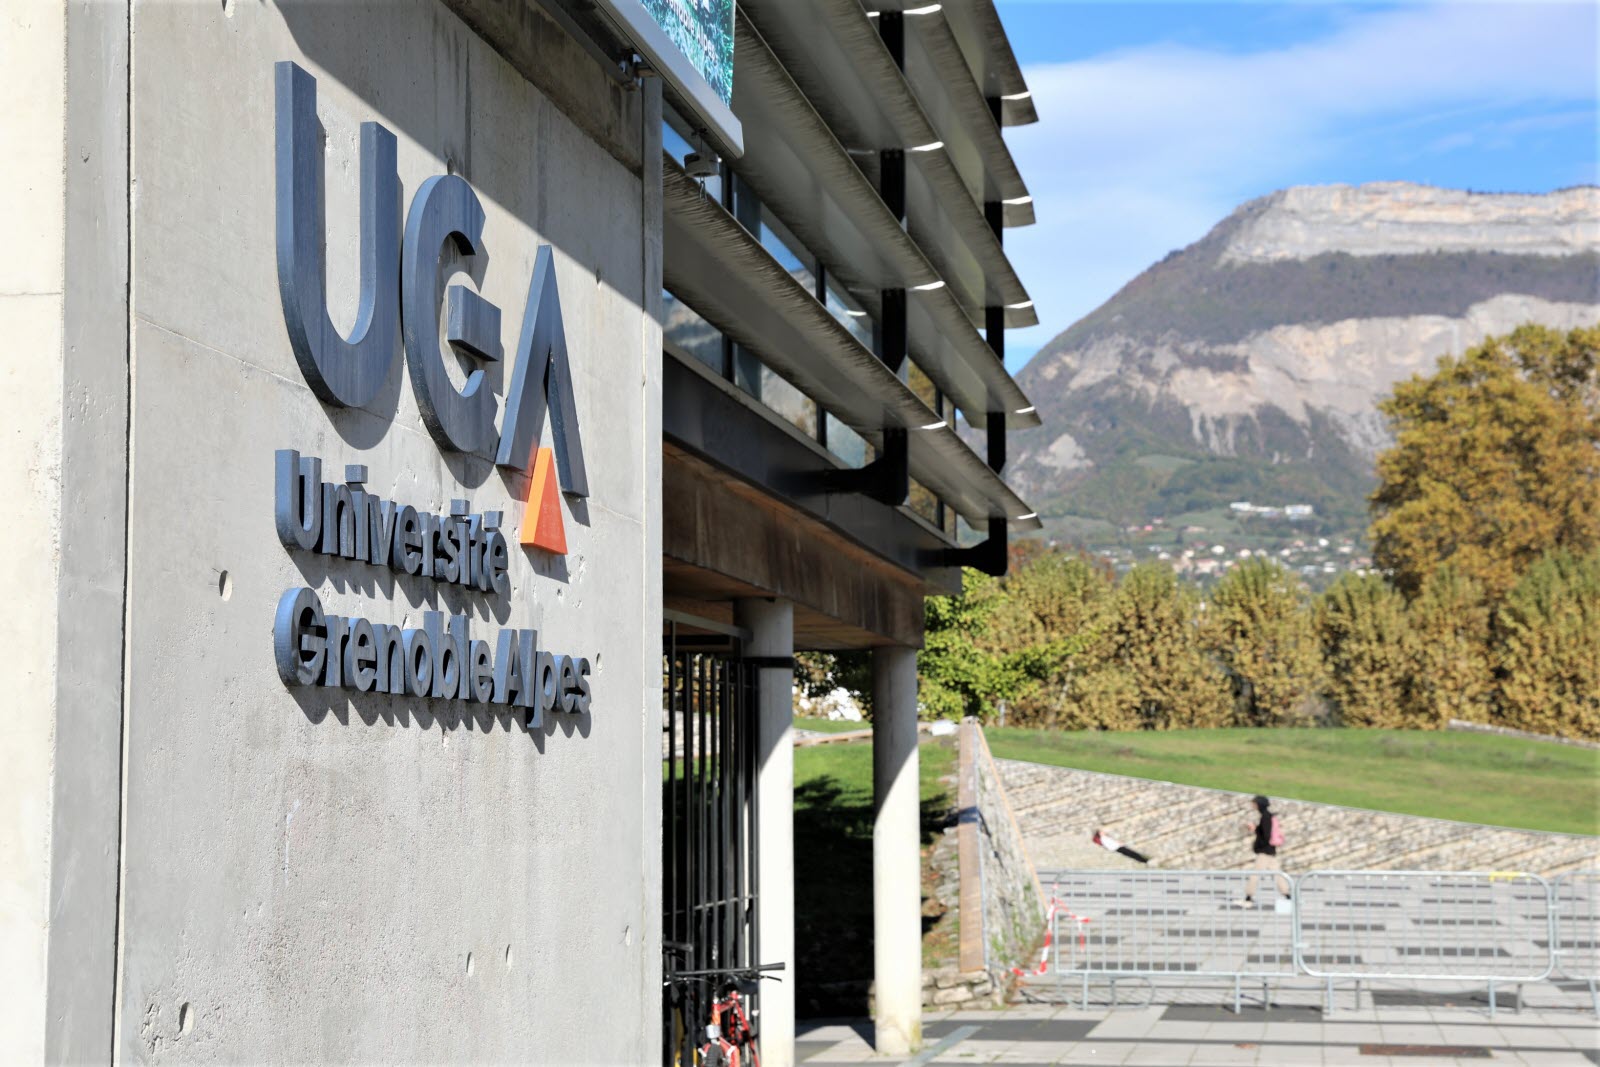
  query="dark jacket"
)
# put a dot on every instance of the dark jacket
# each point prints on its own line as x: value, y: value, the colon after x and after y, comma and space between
x: 1263, y: 843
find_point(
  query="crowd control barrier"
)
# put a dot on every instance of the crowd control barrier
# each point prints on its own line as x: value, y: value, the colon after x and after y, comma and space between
x: 1575, y: 904
x: 1190, y: 924
x: 1425, y: 926
x: 1493, y: 928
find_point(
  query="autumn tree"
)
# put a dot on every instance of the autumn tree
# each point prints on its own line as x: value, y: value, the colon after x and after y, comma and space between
x: 1496, y: 461
x: 1370, y: 653
x: 1452, y: 674
x: 1151, y: 634
x: 1259, y: 628
x: 1549, y: 647
x: 1051, y: 614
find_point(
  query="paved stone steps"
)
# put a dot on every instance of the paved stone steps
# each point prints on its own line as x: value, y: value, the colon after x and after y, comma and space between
x: 1058, y: 809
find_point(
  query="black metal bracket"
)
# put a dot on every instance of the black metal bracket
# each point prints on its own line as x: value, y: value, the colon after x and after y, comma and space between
x: 995, y: 426
x: 886, y: 479
x: 988, y: 556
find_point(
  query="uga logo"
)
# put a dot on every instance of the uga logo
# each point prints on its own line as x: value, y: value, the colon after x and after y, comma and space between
x: 400, y: 306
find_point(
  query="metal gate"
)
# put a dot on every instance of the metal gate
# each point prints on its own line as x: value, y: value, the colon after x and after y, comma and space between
x: 709, y: 888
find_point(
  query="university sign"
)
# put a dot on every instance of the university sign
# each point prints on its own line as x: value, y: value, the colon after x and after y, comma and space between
x: 399, y: 309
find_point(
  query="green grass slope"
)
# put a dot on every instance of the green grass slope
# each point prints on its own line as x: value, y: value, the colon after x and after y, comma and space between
x: 833, y: 866
x: 1481, y: 778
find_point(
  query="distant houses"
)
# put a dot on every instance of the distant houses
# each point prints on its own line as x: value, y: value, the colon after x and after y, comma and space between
x: 1292, y: 512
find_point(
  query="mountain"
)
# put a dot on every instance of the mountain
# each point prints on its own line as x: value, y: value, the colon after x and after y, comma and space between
x: 1248, y: 366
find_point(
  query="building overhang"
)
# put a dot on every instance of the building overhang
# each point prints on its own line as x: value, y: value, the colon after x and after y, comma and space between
x: 714, y: 265
x: 711, y: 419
x: 986, y: 50
x: 799, y: 169
x: 833, y: 54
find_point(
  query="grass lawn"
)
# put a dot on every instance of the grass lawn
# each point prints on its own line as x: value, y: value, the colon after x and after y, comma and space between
x: 833, y: 866
x: 830, y: 726
x: 1481, y: 778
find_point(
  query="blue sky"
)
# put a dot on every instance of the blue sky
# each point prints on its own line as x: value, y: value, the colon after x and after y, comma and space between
x: 1157, y: 119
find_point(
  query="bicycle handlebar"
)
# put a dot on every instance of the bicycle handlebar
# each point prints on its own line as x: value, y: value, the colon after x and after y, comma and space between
x: 733, y: 972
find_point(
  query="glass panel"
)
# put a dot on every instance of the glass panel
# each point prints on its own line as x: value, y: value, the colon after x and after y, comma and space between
x: 755, y: 378
x: 923, y: 386
x: 923, y: 502
x: 788, y: 258
x: 795, y: 257
x: 853, y: 315
x: 673, y: 142
x: 774, y: 236
x: 848, y: 445
x: 684, y: 332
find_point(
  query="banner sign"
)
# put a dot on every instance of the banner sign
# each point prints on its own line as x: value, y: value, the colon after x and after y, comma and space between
x: 703, y: 31
x: 690, y: 44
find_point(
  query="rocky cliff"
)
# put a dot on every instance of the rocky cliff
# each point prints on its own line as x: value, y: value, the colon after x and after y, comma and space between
x: 1248, y: 365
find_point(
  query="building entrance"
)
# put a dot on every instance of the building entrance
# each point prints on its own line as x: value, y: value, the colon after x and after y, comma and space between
x: 709, y: 848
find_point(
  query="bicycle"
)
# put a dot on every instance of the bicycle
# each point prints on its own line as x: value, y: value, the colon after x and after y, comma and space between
x: 730, y: 1039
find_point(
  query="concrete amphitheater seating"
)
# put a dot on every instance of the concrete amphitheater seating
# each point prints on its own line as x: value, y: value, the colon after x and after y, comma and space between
x: 1191, y: 828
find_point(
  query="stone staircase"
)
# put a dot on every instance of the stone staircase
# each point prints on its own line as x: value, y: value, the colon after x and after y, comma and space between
x: 1178, y: 826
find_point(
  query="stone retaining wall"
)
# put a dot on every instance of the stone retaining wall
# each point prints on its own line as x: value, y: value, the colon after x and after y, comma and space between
x: 999, y: 885
x: 1059, y: 808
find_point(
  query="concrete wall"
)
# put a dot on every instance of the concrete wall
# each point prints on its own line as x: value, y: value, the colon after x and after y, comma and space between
x: 63, y: 472
x: 311, y: 874
x: 997, y: 876
x: 32, y: 91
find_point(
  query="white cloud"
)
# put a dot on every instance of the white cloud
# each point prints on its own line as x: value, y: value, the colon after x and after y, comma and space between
x: 1141, y: 151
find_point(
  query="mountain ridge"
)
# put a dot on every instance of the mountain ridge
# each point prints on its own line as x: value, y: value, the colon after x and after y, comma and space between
x: 1251, y: 361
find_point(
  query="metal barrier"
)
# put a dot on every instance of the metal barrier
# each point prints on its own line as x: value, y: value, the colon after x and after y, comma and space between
x: 1427, y: 926
x: 1495, y: 928
x: 1149, y: 924
x: 1575, y: 939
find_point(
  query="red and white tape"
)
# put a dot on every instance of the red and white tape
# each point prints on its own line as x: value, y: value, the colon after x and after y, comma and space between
x: 1057, y: 905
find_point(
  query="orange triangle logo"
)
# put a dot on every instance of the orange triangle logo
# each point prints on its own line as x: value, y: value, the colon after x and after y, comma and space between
x: 541, y: 521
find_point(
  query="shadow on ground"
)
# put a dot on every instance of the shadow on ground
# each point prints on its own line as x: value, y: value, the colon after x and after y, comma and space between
x: 833, y: 894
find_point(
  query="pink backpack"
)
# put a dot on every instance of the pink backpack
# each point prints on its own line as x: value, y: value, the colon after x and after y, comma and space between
x: 1276, y: 837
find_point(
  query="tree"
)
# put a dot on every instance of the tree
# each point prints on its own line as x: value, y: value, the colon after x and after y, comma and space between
x: 1152, y: 635
x: 1044, y: 628
x: 1370, y: 653
x: 1496, y: 461
x: 1452, y: 675
x: 1259, y: 628
x: 959, y: 674
x: 1549, y: 649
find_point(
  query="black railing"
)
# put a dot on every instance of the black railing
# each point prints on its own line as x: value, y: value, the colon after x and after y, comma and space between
x: 709, y: 851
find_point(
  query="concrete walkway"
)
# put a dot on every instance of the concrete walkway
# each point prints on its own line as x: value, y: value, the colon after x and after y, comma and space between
x: 1180, y: 1035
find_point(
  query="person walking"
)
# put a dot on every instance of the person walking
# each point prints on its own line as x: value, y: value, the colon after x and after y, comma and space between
x: 1111, y: 844
x: 1267, y: 831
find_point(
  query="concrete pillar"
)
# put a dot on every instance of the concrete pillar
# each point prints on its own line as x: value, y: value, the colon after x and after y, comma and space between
x: 896, y: 853
x: 771, y: 626
x: 64, y: 477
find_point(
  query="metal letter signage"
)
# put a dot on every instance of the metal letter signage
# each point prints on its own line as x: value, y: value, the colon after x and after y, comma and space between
x: 446, y: 209
x: 401, y: 305
x: 400, y: 299
x: 348, y: 373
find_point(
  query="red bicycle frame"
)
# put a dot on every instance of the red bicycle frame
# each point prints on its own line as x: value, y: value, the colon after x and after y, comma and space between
x: 733, y: 1035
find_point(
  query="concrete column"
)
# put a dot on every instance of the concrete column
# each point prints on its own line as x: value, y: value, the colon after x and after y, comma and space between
x: 896, y: 853
x: 650, y: 268
x: 63, y: 473
x: 771, y: 626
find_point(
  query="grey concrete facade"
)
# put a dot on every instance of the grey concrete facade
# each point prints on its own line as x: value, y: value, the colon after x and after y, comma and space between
x: 63, y: 468
x: 198, y: 863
